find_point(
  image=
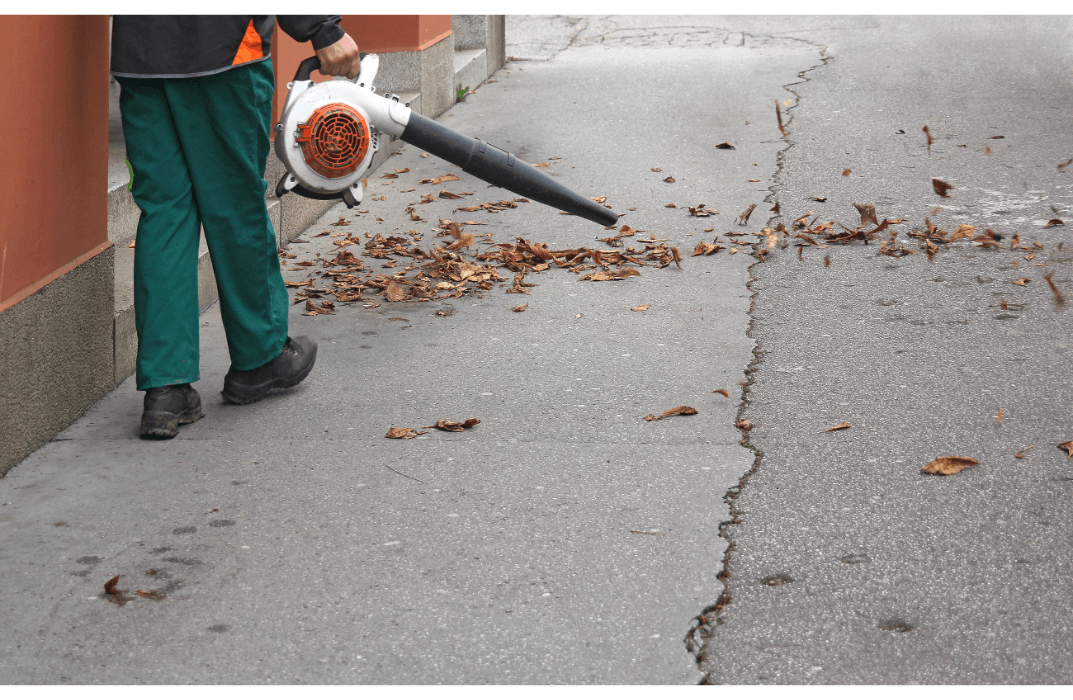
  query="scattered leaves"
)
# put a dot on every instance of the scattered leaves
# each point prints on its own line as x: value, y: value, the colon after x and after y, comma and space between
x: 676, y: 411
x: 945, y: 466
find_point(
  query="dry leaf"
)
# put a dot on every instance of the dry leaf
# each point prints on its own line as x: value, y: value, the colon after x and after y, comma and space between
x: 1023, y: 281
x: 668, y: 179
x: 439, y: 180
x: 743, y: 218
x: 1063, y: 166
x: 744, y: 425
x: 868, y: 214
x: 846, y: 172
x: 607, y: 275
x: 676, y: 411
x: 110, y: 585
x: 1000, y: 415
x: 724, y: 392
x: 928, y: 134
x: 1055, y: 222
x: 1021, y: 454
x: 840, y: 426
x: 945, y: 466
x: 389, y: 176
x: 452, y: 426
x: 778, y: 115
x: 657, y: 170
x: 1058, y: 298
x: 642, y: 307
x: 520, y: 307
x: 1068, y: 447
x: 818, y: 199
x: 151, y: 595
x: 827, y: 260
x: 402, y: 433
x: 941, y: 188
x: 402, y: 170
x: 987, y: 151
x: 725, y: 146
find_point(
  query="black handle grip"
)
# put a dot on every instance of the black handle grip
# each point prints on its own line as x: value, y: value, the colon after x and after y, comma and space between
x: 306, y: 67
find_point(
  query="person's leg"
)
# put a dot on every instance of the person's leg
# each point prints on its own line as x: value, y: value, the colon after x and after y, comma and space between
x: 223, y: 123
x: 165, y: 253
x: 165, y: 261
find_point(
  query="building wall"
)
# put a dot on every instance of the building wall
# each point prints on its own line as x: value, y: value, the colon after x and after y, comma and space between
x: 56, y: 280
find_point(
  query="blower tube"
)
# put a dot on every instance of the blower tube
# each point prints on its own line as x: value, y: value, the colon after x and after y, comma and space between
x: 497, y: 167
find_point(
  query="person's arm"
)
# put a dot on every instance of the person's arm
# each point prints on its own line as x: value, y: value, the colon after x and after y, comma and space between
x: 337, y: 51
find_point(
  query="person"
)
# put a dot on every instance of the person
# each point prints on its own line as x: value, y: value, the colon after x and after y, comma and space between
x: 196, y: 106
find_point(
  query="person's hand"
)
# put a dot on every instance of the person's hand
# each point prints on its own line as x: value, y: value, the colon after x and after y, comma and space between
x: 340, y: 58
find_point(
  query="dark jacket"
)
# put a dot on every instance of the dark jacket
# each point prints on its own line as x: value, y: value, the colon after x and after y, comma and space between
x: 185, y: 46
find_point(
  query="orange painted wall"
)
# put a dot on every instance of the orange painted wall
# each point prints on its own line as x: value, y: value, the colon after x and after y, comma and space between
x: 373, y: 34
x: 54, y: 153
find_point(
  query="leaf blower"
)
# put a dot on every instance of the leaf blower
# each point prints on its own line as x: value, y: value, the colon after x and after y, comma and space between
x: 329, y: 131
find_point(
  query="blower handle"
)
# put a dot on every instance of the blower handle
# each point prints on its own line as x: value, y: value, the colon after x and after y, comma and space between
x: 306, y: 67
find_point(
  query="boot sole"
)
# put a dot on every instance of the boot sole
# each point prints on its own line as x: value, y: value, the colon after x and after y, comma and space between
x: 242, y: 395
x: 162, y: 425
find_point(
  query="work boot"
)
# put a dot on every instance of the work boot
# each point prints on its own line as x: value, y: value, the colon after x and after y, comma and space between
x: 166, y: 408
x: 289, y: 368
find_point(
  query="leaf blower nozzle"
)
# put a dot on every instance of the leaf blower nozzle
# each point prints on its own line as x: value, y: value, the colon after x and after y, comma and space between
x: 500, y: 168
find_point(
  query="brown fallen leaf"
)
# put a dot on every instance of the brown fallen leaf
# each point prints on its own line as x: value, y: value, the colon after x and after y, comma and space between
x: 744, y: 425
x: 1068, y: 447
x: 151, y: 595
x: 608, y: 275
x: 439, y: 180
x: 402, y: 433
x: 520, y: 307
x: 868, y: 214
x: 840, y: 426
x: 1055, y: 222
x: 657, y: 170
x: 827, y: 260
x: 1003, y: 305
x: 669, y: 179
x: 987, y: 151
x: 778, y: 115
x: 945, y: 466
x: 846, y: 172
x: 941, y: 188
x: 402, y: 170
x: 1000, y: 415
x: 642, y: 307
x: 341, y: 222
x: 676, y: 411
x: 725, y: 146
x: 1021, y: 454
x: 444, y: 194
x: 452, y: 426
x: 671, y: 206
x: 1058, y: 298
x: 389, y: 176
x: 818, y: 199
x: 927, y: 133
x: 724, y: 392
x: 393, y: 292
x: 743, y: 218
x: 1023, y: 281
x: 1062, y: 166
x: 110, y: 585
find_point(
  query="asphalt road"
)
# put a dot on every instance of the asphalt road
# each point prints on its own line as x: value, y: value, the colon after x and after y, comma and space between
x: 565, y: 539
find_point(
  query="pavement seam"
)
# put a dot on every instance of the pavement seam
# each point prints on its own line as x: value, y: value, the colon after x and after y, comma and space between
x: 702, y: 627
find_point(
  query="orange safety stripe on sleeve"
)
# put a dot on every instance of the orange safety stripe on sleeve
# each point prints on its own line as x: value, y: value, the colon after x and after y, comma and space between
x: 250, y: 48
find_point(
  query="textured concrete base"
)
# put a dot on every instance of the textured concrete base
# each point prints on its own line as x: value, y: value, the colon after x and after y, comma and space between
x: 481, y: 32
x: 430, y: 72
x: 55, y: 357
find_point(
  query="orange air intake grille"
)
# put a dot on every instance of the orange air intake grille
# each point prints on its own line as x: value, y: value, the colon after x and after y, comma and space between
x: 335, y: 140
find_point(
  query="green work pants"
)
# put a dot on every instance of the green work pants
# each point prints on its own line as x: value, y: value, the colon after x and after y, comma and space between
x: 197, y: 148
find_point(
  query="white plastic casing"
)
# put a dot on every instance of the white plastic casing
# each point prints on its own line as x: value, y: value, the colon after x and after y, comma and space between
x: 383, y: 115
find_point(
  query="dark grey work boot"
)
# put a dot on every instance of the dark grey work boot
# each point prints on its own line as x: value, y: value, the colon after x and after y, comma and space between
x: 290, y: 367
x: 166, y: 408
